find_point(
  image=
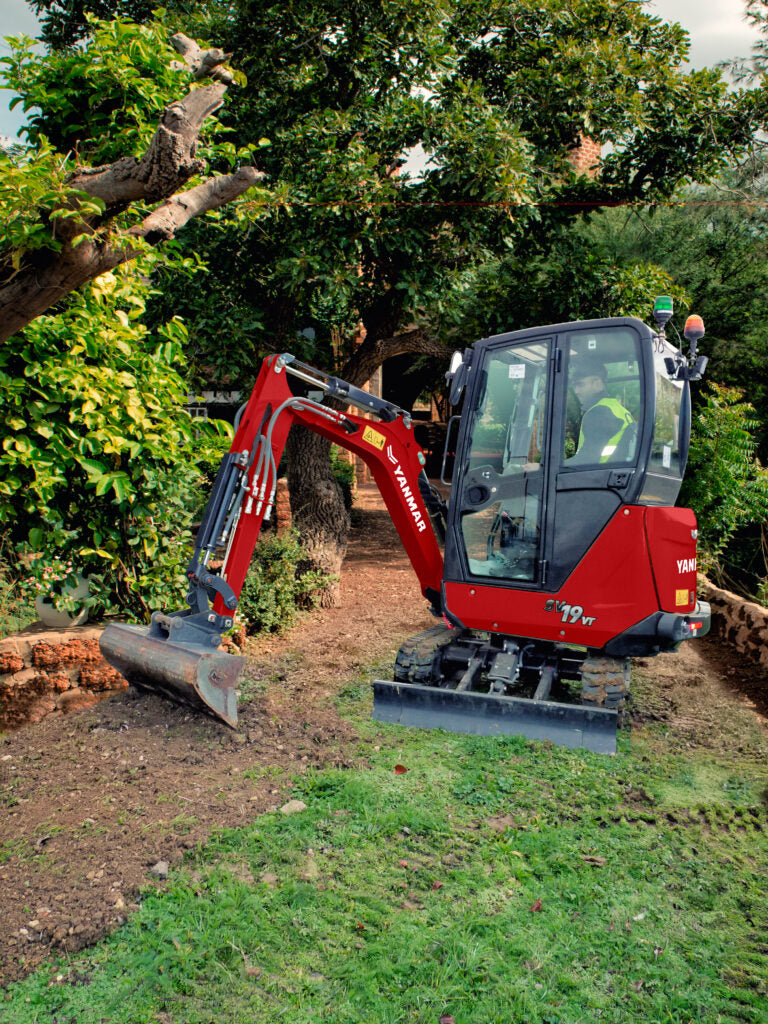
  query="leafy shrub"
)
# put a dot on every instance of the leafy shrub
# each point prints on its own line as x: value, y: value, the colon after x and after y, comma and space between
x: 277, y: 585
x: 92, y: 467
x: 212, y: 441
x: 725, y: 484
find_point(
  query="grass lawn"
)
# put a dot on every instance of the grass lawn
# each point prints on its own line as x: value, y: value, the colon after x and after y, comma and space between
x: 495, y: 880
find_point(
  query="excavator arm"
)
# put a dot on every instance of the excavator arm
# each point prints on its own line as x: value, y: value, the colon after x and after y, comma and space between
x: 178, y: 653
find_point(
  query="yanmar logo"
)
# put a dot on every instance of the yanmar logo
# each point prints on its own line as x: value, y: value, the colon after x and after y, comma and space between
x: 686, y: 565
x: 410, y: 501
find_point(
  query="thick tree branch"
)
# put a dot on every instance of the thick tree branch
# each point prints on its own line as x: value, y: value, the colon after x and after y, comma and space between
x: 204, y: 63
x: 169, y: 162
x: 34, y: 290
x: 366, y: 360
x: 173, y: 214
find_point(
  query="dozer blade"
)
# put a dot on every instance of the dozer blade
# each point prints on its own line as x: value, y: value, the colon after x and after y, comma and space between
x: 489, y: 714
x: 186, y: 673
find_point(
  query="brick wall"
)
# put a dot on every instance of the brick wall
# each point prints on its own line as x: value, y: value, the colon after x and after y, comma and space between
x: 585, y: 158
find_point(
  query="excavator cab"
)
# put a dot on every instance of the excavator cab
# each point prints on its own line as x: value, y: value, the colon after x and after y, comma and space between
x: 564, y: 555
x: 535, y: 480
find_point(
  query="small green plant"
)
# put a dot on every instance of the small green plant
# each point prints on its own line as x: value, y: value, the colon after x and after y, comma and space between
x: 344, y: 471
x: 17, y: 604
x: 277, y: 585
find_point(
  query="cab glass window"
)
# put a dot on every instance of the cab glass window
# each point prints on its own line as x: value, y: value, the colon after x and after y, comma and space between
x: 664, y: 473
x: 605, y: 408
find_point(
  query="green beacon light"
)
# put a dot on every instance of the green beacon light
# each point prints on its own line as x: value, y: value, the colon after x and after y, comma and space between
x: 663, y: 309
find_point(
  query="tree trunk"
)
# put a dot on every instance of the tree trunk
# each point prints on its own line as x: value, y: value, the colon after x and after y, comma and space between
x: 317, y: 507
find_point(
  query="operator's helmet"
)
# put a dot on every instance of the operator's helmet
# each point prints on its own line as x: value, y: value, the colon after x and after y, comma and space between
x: 586, y: 366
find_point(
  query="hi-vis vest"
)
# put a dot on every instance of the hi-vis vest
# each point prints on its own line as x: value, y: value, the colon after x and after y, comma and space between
x: 621, y: 415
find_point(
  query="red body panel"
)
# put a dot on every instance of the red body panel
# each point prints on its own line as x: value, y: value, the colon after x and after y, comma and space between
x: 611, y: 589
x: 671, y: 536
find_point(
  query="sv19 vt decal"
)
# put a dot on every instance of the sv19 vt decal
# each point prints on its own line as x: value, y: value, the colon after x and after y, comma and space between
x: 571, y: 613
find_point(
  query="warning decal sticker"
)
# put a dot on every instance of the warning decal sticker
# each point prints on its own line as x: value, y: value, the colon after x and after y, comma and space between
x: 374, y: 437
x: 681, y: 597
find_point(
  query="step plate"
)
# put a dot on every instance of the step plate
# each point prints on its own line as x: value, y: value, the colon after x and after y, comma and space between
x: 481, y: 714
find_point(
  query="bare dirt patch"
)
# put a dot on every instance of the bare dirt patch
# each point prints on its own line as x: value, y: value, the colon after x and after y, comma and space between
x: 706, y: 695
x: 90, y: 803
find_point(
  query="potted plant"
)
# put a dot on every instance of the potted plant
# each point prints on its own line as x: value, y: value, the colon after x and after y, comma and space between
x: 59, y: 591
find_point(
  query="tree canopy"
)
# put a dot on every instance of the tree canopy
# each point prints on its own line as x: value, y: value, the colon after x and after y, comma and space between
x: 417, y: 171
x: 495, y: 100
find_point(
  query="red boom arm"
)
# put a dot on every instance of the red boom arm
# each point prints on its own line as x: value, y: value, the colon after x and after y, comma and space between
x: 388, y: 448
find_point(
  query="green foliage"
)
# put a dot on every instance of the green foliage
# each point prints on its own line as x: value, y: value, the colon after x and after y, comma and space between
x: 65, y: 24
x: 575, y: 278
x: 344, y: 472
x: 95, y: 99
x: 34, y: 198
x: 209, y: 444
x: 344, y: 97
x: 277, y: 585
x: 715, y: 247
x: 91, y: 469
x: 725, y: 484
x: 96, y: 104
x: 17, y: 604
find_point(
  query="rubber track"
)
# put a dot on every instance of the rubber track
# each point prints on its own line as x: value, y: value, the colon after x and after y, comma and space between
x: 605, y: 682
x: 415, y: 658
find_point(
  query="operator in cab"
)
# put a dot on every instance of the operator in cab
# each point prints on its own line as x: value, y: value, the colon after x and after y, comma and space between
x: 604, y: 419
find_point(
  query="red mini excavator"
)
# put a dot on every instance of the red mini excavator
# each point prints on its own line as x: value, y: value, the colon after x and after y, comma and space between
x: 557, y: 557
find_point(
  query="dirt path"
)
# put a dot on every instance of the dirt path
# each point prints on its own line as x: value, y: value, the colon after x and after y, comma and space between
x: 91, y: 802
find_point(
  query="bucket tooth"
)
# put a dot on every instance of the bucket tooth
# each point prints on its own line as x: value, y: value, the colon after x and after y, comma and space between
x: 488, y: 714
x: 186, y: 673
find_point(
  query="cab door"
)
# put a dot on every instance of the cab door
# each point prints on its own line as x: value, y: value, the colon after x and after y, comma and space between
x: 587, y: 493
x: 497, y: 528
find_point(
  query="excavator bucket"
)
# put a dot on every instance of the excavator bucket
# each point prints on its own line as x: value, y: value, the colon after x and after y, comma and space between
x: 186, y: 673
x: 488, y: 714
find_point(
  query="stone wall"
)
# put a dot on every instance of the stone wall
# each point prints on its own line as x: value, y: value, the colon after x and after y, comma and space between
x: 45, y: 671
x: 741, y: 623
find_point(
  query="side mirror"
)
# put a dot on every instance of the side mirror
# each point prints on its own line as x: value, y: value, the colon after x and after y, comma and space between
x: 457, y: 375
x: 456, y: 360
